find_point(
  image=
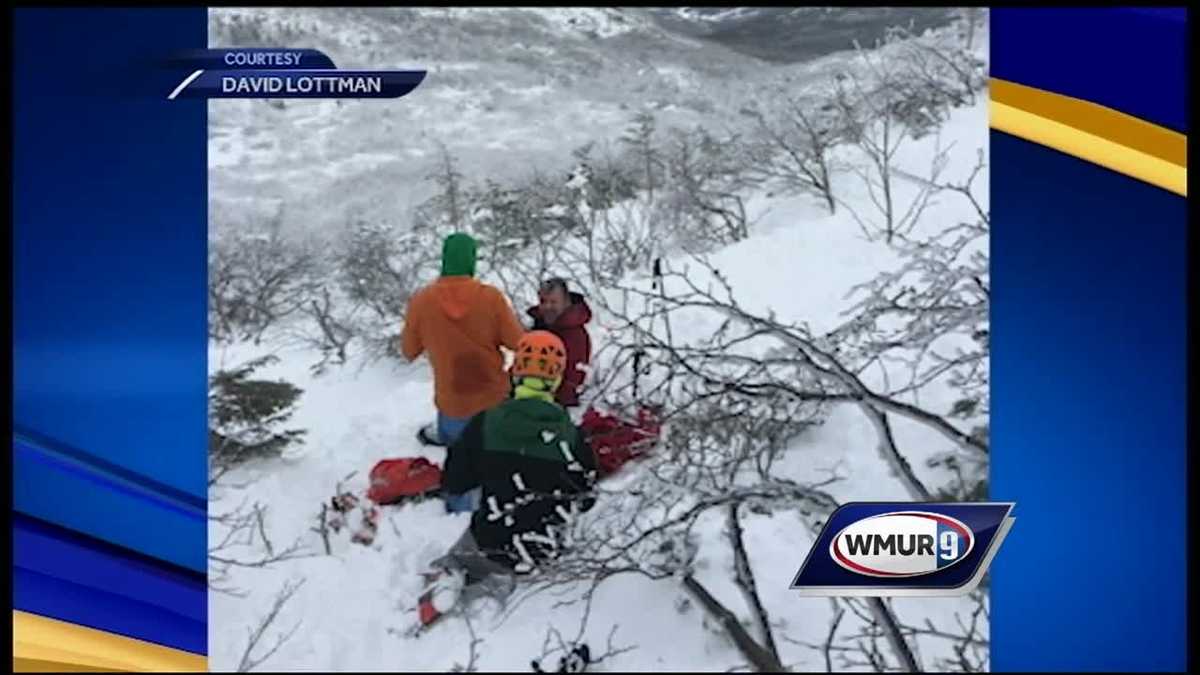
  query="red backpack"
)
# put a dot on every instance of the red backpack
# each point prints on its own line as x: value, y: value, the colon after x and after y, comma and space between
x: 616, y: 441
x: 393, y: 480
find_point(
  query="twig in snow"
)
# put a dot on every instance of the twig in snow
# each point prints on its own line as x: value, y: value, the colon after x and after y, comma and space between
x: 762, y: 659
x: 833, y: 626
x: 746, y: 582
x: 891, y: 630
x: 472, y: 648
x: 323, y: 528
x: 262, y: 531
x: 248, y: 661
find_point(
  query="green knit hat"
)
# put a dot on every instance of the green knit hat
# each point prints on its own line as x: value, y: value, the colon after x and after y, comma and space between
x: 458, y: 256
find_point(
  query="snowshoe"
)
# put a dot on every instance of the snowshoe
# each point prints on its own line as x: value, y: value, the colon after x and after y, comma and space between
x: 443, y: 588
x: 428, y: 435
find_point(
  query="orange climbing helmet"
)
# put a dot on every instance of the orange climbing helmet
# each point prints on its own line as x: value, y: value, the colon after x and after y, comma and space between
x: 540, y: 354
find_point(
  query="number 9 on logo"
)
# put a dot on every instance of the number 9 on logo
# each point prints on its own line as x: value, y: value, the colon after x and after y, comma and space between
x: 948, y: 545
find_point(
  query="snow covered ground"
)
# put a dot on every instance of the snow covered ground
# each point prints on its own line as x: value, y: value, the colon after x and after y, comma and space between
x: 799, y: 262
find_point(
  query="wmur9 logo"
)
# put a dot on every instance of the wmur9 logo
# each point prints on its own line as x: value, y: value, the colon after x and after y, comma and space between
x: 882, y: 549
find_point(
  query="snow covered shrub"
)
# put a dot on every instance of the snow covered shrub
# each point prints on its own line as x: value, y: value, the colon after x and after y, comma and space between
x: 246, y: 416
x: 623, y: 238
x: 931, y: 315
x: 508, y: 219
x: 377, y: 268
x: 792, y: 142
x: 970, y: 483
x: 935, y: 78
x: 719, y: 452
x: 603, y: 178
x: 327, y: 328
x: 677, y: 513
x: 901, y: 90
x: 642, y: 143
x: 616, y: 212
x: 520, y: 230
x: 706, y: 175
x: 447, y: 209
x: 920, y: 78
x: 871, y: 103
x: 730, y: 414
x: 256, y: 279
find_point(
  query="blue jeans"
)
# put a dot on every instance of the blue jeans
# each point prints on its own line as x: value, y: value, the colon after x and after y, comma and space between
x: 449, y: 429
x: 467, y: 502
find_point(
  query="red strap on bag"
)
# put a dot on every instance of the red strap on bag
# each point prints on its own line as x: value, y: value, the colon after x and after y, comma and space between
x: 616, y: 441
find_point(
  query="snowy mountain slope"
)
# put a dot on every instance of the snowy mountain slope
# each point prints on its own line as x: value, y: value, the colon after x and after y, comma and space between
x: 792, y: 34
x: 507, y: 88
x: 799, y: 262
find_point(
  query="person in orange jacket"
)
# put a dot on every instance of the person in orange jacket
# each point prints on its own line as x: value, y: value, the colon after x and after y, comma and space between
x: 461, y: 323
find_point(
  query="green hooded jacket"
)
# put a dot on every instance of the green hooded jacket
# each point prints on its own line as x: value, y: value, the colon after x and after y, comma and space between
x: 534, y: 467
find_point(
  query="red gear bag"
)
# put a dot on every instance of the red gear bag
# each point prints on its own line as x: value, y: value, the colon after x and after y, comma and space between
x: 395, y: 479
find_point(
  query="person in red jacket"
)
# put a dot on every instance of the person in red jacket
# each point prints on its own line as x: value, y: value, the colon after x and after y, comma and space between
x: 566, y: 314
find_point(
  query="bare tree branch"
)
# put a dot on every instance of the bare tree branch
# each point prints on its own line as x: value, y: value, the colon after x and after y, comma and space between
x: 249, y: 661
x: 762, y: 659
x: 746, y: 582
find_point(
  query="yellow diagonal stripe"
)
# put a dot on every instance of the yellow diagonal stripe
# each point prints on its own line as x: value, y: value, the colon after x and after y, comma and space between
x: 37, y: 666
x: 1092, y: 132
x: 42, y: 644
